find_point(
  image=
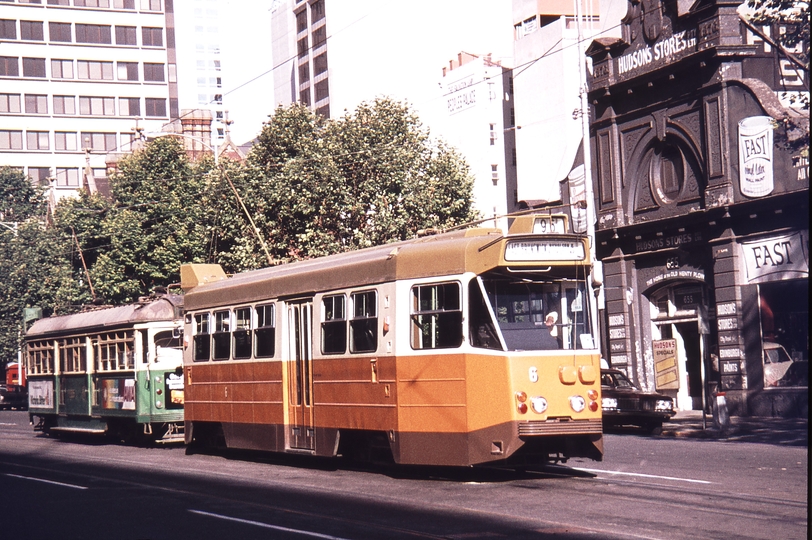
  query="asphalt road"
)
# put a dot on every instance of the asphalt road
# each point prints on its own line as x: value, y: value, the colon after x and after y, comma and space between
x: 647, y: 487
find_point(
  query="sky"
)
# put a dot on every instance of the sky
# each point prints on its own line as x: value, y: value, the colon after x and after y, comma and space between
x: 426, y: 33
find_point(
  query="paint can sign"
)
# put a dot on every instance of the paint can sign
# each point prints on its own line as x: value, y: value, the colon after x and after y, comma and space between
x: 756, y: 156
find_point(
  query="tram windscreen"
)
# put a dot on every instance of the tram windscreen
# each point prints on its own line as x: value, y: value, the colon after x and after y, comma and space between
x: 529, y: 315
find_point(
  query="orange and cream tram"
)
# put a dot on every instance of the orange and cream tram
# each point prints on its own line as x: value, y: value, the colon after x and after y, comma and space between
x: 465, y: 348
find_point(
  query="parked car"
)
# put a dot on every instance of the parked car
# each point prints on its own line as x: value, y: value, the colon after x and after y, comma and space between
x: 781, y: 370
x: 13, y: 396
x: 624, y: 404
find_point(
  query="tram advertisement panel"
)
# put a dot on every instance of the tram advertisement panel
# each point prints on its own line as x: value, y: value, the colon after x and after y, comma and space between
x: 118, y: 394
x: 41, y: 394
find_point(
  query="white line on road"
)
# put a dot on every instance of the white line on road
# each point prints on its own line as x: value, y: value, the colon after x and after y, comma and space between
x: 691, y: 480
x: 266, y: 525
x: 74, y: 486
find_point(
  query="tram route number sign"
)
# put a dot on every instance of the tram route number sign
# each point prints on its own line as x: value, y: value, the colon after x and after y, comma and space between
x: 666, y: 370
x: 544, y: 250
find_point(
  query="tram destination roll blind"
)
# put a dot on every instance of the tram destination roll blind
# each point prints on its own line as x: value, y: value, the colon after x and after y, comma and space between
x: 544, y: 250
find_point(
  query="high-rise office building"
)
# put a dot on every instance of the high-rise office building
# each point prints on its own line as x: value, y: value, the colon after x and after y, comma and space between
x: 78, y: 77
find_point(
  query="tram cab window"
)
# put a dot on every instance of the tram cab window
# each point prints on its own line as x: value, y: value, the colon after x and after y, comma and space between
x: 202, y: 337
x: 436, y: 316
x: 241, y: 336
x: 334, y: 325
x: 364, y: 322
x: 222, y: 335
x: 264, y: 334
x: 482, y: 330
x: 168, y: 346
x: 538, y: 315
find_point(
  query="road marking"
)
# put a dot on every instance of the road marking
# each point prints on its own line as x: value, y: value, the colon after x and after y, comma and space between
x: 266, y: 525
x: 691, y: 480
x: 74, y: 486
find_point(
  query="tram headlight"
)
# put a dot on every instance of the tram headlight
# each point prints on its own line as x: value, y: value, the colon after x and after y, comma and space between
x: 609, y: 403
x: 159, y: 404
x: 577, y: 403
x: 539, y: 404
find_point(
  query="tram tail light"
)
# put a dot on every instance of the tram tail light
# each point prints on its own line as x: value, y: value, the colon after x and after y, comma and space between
x: 592, y: 394
x: 521, y: 404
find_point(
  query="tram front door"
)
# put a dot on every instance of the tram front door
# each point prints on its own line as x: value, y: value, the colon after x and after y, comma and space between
x: 300, y: 376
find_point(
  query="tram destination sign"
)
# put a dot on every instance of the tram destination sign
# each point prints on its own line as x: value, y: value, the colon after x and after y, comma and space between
x: 544, y: 249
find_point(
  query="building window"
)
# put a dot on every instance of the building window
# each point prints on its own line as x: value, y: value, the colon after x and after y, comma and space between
x: 37, y: 140
x: 154, y: 107
x: 125, y: 35
x: 59, y: 32
x: 34, y: 67
x: 62, y: 69
x: 364, y: 322
x: 9, y: 66
x: 64, y: 105
x: 301, y: 21
x: 316, y: 11
x: 304, y: 97
x: 666, y: 171
x: 97, y: 106
x: 92, y: 3
x: 493, y: 134
x: 39, y: 175
x: 129, y: 106
x: 124, y: 4
x: 334, y: 325
x: 99, y: 142
x: 65, y: 141
x: 8, y: 29
x: 152, y: 37
x: 304, y: 73
x: 67, y: 177
x: 322, y: 90
x: 320, y: 64
x: 58, y: 2
x: 127, y: 71
x: 11, y: 140
x: 436, y: 316
x: 150, y: 5
x: 495, y: 174
x: 93, y: 33
x: 319, y: 36
x: 95, y: 71
x: 784, y: 315
x: 10, y: 103
x: 302, y: 47
x: 36, y: 104
x: 31, y: 31
x: 154, y: 72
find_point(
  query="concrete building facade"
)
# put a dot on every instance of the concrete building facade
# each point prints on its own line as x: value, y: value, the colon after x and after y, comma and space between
x: 77, y: 78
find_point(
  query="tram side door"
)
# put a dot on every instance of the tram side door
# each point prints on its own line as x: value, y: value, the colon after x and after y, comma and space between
x: 300, y: 376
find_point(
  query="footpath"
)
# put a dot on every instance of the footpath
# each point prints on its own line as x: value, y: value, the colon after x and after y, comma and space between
x: 758, y: 429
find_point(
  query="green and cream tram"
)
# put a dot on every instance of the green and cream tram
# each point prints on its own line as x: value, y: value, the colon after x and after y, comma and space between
x: 114, y: 371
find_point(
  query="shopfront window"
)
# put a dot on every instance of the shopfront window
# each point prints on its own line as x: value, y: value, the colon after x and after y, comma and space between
x: 784, y: 314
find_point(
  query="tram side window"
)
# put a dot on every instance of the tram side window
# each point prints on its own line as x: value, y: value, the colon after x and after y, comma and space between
x: 436, y: 316
x: 73, y: 355
x: 334, y: 325
x: 114, y: 351
x: 265, y: 335
x: 364, y: 323
x: 222, y: 335
x: 40, y: 358
x: 202, y: 340
x: 241, y: 336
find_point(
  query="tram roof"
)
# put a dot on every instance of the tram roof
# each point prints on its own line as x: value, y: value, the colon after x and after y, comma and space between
x: 163, y: 308
x: 476, y: 250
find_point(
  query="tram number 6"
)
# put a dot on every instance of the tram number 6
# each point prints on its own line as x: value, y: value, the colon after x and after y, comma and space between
x: 533, y: 373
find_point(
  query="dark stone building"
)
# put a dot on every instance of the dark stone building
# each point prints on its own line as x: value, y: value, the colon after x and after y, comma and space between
x: 702, y: 202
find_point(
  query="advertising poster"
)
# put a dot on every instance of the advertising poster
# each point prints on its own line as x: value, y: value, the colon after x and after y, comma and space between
x: 41, y: 394
x: 118, y: 394
x: 666, y: 371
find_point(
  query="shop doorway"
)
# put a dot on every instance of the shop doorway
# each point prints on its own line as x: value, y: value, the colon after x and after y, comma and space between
x: 677, y: 314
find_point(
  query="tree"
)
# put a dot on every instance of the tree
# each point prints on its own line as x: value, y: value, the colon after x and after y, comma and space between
x: 374, y: 176
x: 155, y: 223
